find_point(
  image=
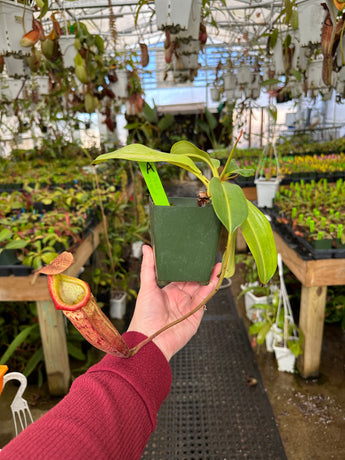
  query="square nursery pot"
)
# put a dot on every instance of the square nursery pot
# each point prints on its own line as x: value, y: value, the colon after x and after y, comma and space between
x: 185, y: 240
x: 68, y: 50
x: 266, y: 191
x: 285, y: 358
x: 117, y: 304
x: 250, y: 300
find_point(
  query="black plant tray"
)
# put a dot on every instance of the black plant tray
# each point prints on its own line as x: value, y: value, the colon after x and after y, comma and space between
x: 299, y: 244
x: 16, y: 270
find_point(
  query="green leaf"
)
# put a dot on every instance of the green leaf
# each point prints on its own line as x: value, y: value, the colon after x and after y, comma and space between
x: 231, y: 265
x: 190, y: 150
x: 166, y: 122
x: 16, y: 342
x: 258, y: 234
x: 150, y: 113
x: 211, y: 119
x: 270, y: 81
x: 78, y: 60
x: 137, y: 152
x: 294, y: 19
x: 262, y: 333
x: 5, y: 234
x: 49, y: 257
x: 233, y: 168
x: 273, y: 38
x: 296, y: 74
x: 75, y: 351
x: 16, y: 244
x: 255, y: 328
x: 294, y: 347
x: 99, y: 42
x: 33, y: 362
x: 229, y: 203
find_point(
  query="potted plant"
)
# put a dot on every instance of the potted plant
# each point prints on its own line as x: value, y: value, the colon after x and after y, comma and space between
x: 255, y: 295
x: 310, y: 18
x: 277, y: 327
x: 179, y: 15
x: 230, y: 207
x: 267, y: 178
x: 15, y: 19
x: 265, y: 329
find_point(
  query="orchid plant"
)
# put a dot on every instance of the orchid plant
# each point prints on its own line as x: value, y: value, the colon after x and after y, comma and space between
x: 73, y: 295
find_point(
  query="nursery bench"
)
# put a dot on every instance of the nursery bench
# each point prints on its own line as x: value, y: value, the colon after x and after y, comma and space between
x: 315, y: 276
x: 51, y: 321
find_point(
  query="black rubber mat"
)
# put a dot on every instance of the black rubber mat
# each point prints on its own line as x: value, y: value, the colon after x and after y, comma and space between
x: 214, y: 411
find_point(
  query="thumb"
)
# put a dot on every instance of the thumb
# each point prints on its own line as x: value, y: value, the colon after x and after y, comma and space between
x: 147, y: 272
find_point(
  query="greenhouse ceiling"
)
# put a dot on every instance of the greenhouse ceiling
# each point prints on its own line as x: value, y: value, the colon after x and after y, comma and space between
x: 231, y: 25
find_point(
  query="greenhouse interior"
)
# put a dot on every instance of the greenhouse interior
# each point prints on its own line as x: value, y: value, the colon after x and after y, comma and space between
x: 126, y: 332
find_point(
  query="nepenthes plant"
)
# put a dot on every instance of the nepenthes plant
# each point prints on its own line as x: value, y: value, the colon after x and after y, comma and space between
x: 73, y: 296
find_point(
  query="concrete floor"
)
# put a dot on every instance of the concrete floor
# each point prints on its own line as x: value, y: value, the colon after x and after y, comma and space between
x: 310, y: 413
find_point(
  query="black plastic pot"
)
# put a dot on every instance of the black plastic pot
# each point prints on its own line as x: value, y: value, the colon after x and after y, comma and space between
x: 185, y: 240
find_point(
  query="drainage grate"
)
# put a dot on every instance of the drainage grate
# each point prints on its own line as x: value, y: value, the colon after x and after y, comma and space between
x: 211, y: 412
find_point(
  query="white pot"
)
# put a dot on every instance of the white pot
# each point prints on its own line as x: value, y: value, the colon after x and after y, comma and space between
x: 266, y: 190
x: 250, y: 300
x: 68, y: 50
x: 278, y: 58
x: 269, y: 341
x: 285, y: 358
x: 314, y: 74
x: 186, y: 62
x: 230, y: 81
x: 118, y: 302
x: 244, y: 74
x: 233, y: 95
x: 215, y: 94
x: 137, y: 249
x: 41, y: 83
x: 181, y: 76
x: 120, y: 88
x: 11, y: 87
x: 15, y: 21
x: 179, y: 15
x: 310, y: 18
x: 16, y: 67
x: 191, y: 46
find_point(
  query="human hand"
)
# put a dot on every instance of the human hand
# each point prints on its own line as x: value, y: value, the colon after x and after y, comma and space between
x: 156, y: 307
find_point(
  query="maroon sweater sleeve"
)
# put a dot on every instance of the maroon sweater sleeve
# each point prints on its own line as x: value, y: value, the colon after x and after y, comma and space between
x: 109, y: 412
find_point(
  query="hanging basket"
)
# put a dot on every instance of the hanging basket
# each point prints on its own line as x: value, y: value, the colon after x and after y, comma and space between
x: 15, y: 21
x: 215, y: 94
x: 266, y: 190
x: 41, y: 84
x: 233, y: 95
x: 250, y: 300
x: 278, y: 58
x: 230, y: 81
x: 118, y: 304
x: 120, y: 87
x: 267, y: 178
x: 286, y: 359
x: 68, y: 50
x: 12, y: 88
x: 310, y: 18
x: 17, y: 67
x: 244, y: 74
x: 314, y: 74
x: 177, y: 15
